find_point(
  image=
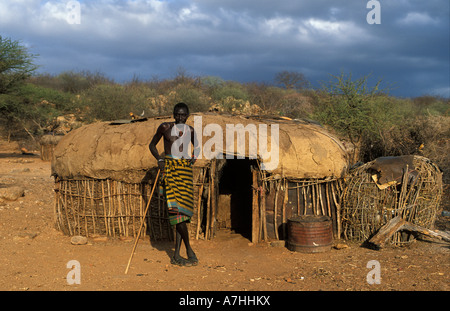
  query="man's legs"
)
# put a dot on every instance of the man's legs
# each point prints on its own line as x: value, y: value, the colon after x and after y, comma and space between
x: 183, y: 235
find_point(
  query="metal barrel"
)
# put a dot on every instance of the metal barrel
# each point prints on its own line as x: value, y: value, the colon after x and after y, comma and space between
x: 310, y: 234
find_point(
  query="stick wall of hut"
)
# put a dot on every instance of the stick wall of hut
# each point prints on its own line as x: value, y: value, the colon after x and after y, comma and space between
x: 114, y: 208
x: 91, y: 207
x: 255, y: 208
x: 289, y: 198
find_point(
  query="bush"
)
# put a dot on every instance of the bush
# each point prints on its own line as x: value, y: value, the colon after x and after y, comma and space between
x: 192, y: 96
x: 432, y: 105
x: 16, y: 64
x: 265, y: 96
x: 354, y: 109
x: 70, y: 81
x: 108, y: 102
x: 32, y: 109
x: 295, y: 105
x: 229, y: 89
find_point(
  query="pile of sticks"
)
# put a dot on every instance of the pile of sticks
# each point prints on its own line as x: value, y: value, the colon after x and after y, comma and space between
x: 366, y: 208
x: 398, y: 224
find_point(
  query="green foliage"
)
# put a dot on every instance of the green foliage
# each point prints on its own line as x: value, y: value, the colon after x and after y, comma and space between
x: 70, y: 81
x: 16, y: 64
x: 431, y: 105
x: 229, y: 89
x: 76, y: 82
x: 110, y: 102
x: 31, y: 108
x: 212, y: 82
x: 192, y: 96
x: 352, y: 108
x: 60, y: 102
x: 378, y: 124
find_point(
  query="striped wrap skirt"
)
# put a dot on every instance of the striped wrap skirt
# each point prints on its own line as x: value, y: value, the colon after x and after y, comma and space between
x: 177, y: 185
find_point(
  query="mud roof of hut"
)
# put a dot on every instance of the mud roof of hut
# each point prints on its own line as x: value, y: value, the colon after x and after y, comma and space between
x: 119, y: 150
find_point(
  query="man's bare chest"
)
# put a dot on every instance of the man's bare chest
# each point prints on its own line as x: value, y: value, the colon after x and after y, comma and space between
x: 175, y: 131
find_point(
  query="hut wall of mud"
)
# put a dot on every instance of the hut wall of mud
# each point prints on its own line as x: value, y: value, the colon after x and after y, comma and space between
x: 376, y: 192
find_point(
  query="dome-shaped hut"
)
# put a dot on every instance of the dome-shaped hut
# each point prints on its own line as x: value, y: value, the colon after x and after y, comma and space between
x: 277, y: 169
x: 48, y: 143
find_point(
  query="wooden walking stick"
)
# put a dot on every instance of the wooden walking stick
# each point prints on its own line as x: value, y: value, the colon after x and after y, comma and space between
x: 142, y: 222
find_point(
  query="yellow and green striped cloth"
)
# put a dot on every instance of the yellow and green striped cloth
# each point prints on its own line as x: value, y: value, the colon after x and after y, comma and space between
x: 177, y: 183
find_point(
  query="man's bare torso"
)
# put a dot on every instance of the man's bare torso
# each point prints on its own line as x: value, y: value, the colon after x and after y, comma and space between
x: 167, y: 131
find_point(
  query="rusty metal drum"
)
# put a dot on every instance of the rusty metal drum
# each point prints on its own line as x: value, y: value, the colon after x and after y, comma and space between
x: 310, y: 234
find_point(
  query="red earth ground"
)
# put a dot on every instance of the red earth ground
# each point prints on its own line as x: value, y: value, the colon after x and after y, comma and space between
x: 34, y: 255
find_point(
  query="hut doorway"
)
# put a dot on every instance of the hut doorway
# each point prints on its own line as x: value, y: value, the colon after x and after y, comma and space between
x: 235, y: 196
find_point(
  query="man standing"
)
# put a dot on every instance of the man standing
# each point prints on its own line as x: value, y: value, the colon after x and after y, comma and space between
x: 176, y: 167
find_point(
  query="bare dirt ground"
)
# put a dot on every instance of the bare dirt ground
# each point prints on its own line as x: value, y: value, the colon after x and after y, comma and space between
x: 34, y: 255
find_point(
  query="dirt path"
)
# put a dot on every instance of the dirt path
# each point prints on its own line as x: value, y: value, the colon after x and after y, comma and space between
x: 34, y: 255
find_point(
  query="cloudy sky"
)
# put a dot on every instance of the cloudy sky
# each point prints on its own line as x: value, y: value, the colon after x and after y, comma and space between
x: 240, y: 40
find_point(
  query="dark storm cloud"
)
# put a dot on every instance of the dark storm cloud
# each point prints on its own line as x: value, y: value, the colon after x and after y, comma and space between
x: 240, y: 40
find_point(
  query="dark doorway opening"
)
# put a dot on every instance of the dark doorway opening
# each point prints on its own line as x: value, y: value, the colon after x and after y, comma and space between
x: 234, y: 210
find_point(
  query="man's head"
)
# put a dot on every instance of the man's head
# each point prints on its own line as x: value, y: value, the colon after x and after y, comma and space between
x: 180, y: 113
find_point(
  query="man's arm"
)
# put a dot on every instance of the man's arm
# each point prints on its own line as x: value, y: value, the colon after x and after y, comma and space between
x: 152, y: 146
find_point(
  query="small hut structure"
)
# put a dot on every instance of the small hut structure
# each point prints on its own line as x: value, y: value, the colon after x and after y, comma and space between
x: 407, y: 186
x: 48, y: 143
x: 104, y: 173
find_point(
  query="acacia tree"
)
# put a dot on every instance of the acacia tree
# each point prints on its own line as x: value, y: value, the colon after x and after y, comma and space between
x: 16, y: 64
x: 291, y: 80
x: 352, y: 107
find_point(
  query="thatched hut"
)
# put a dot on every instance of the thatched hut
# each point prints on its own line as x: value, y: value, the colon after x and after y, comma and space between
x: 104, y: 173
x: 48, y: 143
x: 407, y: 186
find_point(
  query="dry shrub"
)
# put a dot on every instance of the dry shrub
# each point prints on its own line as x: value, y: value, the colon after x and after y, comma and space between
x: 424, y: 135
x: 437, y: 142
x: 296, y: 105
